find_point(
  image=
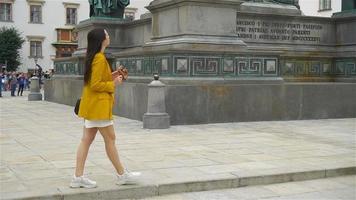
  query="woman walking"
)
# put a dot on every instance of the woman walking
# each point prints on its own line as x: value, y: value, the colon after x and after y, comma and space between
x: 96, y: 109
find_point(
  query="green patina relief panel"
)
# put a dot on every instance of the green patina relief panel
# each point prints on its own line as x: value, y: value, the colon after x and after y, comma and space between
x: 318, y: 68
x: 80, y: 67
x: 162, y: 65
x: 202, y: 65
x: 228, y: 66
x: 270, y: 67
x: 59, y: 68
x: 345, y: 67
x: 147, y: 66
x: 224, y: 66
x: 69, y: 68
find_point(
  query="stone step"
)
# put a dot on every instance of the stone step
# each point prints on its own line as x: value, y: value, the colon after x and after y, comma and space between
x: 240, y: 180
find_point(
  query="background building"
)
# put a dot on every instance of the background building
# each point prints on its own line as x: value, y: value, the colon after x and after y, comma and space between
x: 47, y: 27
x: 140, y: 5
x: 322, y: 8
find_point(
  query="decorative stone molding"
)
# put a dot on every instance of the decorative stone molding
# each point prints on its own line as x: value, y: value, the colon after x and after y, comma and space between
x: 71, y: 5
x: 36, y: 2
x: 7, y: 1
x: 35, y: 38
x: 159, y: 4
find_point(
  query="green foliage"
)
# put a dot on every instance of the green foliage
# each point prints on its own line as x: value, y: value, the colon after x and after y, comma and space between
x: 10, y: 44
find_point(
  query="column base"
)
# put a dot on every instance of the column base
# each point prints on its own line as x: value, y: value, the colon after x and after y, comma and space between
x: 156, y: 121
x: 35, y: 96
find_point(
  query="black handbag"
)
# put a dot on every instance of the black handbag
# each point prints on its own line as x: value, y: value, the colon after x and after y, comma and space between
x: 76, y: 108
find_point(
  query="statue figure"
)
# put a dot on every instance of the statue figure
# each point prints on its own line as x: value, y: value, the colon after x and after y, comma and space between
x: 289, y: 2
x: 108, y: 8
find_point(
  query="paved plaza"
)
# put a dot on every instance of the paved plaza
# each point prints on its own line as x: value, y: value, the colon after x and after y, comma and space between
x: 39, y: 141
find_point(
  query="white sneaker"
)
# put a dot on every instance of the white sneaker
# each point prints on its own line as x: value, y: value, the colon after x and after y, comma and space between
x: 128, y: 178
x: 78, y: 182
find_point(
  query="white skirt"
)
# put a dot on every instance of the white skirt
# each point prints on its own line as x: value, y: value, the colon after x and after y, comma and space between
x: 97, y: 123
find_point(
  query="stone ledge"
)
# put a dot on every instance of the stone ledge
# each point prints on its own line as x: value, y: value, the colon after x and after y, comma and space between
x: 236, y: 180
x: 269, y: 8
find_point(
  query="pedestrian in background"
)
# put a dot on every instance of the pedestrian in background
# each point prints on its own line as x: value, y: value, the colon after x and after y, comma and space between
x: 7, y: 81
x: 2, y: 80
x: 13, y: 83
x: 27, y: 84
x: 21, y: 82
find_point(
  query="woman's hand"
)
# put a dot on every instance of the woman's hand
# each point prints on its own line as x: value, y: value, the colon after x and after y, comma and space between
x: 114, y: 75
x: 121, y: 70
x: 118, y: 80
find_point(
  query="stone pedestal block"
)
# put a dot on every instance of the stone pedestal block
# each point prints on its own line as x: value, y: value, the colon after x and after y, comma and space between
x: 156, y: 116
x: 35, y: 94
x: 156, y: 121
x: 182, y: 25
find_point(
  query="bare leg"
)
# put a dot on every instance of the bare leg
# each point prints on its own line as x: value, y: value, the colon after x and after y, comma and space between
x: 108, y: 134
x: 82, y: 153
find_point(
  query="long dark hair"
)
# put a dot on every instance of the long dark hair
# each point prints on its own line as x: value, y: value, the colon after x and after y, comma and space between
x: 95, y: 39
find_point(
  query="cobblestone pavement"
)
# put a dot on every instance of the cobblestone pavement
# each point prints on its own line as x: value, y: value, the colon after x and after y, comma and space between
x: 39, y: 141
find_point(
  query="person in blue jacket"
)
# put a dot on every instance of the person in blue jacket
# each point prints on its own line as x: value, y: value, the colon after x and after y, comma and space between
x: 21, y: 82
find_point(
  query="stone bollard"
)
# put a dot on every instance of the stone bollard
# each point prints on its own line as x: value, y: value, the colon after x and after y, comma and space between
x: 156, y: 116
x: 35, y: 94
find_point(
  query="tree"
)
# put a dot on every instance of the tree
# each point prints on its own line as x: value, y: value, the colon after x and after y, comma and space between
x: 10, y: 44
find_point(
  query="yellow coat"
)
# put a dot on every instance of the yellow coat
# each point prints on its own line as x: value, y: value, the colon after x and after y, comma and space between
x: 98, y: 95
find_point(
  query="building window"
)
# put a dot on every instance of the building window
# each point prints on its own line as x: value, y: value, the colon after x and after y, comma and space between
x: 35, y: 48
x: 66, y: 42
x: 324, y: 5
x: 35, y: 14
x: 66, y: 35
x: 5, y: 12
x: 71, y: 16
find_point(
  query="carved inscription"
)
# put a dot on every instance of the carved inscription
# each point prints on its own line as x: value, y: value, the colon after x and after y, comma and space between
x: 252, y: 29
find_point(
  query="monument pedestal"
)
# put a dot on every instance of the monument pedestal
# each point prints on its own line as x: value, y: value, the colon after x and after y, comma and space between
x: 229, y: 61
x: 194, y: 26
